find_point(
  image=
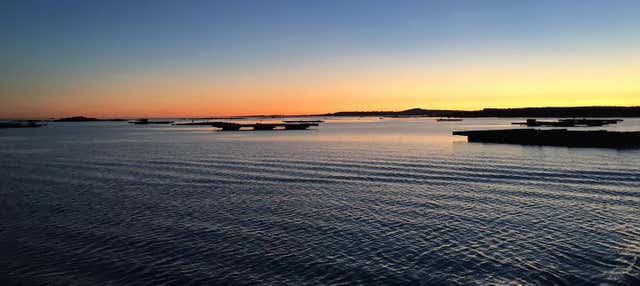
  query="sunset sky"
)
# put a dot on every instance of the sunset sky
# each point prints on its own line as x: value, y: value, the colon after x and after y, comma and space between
x: 206, y: 58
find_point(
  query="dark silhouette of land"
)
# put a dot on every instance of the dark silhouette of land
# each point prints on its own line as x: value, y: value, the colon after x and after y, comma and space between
x: 555, y: 137
x: 84, y: 119
x: 588, y: 111
x: 532, y: 112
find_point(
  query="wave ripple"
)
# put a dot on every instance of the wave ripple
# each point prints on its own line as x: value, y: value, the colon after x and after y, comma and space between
x: 188, y: 208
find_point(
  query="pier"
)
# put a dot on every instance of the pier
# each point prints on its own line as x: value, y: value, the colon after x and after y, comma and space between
x: 556, y: 137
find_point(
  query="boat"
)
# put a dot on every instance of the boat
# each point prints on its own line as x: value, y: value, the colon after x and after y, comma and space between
x: 556, y: 137
x: 448, y: 119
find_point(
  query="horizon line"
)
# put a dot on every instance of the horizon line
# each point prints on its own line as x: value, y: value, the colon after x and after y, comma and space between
x: 319, y: 114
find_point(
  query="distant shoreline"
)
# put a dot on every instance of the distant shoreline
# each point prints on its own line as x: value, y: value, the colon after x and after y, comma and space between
x: 586, y: 111
x: 533, y: 112
x: 540, y: 112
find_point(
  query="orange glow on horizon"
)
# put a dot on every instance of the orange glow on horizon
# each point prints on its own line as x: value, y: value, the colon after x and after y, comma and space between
x: 296, y: 93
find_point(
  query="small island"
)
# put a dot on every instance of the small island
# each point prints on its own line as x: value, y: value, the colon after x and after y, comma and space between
x: 84, y: 119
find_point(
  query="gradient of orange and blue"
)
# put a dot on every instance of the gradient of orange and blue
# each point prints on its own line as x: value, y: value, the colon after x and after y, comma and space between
x: 202, y: 58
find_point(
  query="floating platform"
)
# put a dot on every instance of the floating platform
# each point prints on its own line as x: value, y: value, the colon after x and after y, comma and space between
x: 556, y: 137
x: 232, y: 126
x: 217, y: 118
x: 569, y: 122
x: 144, y: 121
x: 302, y: 121
x: 21, y: 124
x: 195, y: 123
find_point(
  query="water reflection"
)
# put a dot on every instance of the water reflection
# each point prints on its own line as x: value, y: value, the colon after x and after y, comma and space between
x: 375, y: 202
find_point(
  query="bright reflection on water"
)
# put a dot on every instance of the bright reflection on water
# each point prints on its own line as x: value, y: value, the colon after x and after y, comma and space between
x: 370, y: 201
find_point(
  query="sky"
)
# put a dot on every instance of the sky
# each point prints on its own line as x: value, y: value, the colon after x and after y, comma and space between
x: 214, y: 58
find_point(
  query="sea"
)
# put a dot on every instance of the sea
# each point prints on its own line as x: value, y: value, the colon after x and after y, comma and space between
x: 354, y: 201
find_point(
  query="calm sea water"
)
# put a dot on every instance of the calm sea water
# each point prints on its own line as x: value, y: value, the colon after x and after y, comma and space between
x: 355, y: 201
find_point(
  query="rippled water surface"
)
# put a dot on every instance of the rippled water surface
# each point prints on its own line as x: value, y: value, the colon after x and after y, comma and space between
x: 355, y: 201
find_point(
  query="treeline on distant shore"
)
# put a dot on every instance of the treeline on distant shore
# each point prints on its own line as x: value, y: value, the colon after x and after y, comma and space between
x: 591, y: 111
x: 554, y: 112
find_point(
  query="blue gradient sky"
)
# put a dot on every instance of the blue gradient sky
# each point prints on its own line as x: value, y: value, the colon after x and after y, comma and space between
x: 165, y: 58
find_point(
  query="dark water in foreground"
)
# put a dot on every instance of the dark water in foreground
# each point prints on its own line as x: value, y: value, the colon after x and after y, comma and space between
x: 376, y: 202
